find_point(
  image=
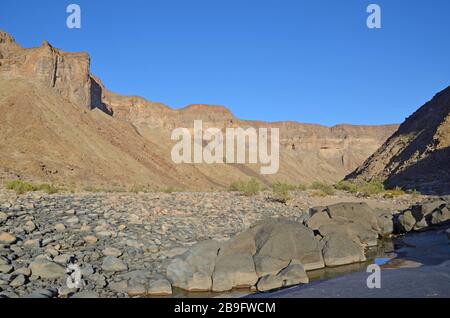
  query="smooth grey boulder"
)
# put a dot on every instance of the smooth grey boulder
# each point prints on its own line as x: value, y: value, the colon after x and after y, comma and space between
x: 283, y: 241
x: 357, y: 220
x: 359, y: 233
x: 340, y: 249
x: 234, y: 270
x: 193, y: 270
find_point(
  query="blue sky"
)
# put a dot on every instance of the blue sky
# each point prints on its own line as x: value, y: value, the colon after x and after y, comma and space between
x: 309, y: 61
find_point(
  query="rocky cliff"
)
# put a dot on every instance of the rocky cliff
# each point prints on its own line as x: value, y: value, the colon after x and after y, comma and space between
x: 126, y: 139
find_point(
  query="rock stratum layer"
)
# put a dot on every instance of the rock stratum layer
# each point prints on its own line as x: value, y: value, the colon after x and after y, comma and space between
x: 59, y: 124
x: 417, y: 156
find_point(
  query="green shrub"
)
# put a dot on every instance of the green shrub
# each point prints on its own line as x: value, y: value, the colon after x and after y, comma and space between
x: 346, y: 186
x: 323, y: 187
x: 249, y: 188
x: 281, y: 191
x: 318, y: 193
x: 371, y: 188
x: 48, y: 188
x: 22, y: 187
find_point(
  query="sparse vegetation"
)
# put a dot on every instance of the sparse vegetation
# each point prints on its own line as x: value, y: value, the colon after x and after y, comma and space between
x: 249, y: 188
x: 324, y: 188
x: 169, y: 190
x: 22, y: 187
x: 372, y: 187
x: 346, y: 186
x: 281, y: 191
x: 318, y: 193
x: 392, y: 193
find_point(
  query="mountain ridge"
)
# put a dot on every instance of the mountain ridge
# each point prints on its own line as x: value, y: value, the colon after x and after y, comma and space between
x: 307, y: 152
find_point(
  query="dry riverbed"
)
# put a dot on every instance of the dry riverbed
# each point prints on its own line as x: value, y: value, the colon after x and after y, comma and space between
x: 120, y: 239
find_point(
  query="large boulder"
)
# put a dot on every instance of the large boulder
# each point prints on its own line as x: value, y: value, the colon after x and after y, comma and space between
x: 354, y: 212
x: 340, y: 249
x: 356, y: 220
x: 359, y: 233
x: 193, y: 270
x: 282, y: 241
x: 234, y: 270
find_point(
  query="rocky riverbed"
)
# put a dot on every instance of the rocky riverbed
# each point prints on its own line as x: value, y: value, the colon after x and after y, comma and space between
x: 122, y: 244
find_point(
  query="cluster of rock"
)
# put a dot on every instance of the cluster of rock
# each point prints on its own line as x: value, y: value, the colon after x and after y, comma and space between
x: 277, y: 253
x: 120, y: 242
x: 421, y: 216
x: 189, y: 241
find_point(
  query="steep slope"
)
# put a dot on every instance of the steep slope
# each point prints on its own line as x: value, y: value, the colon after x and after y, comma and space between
x: 417, y: 156
x: 58, y: 123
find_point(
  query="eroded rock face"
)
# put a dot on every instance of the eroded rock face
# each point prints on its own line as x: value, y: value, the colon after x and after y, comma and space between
x: 67, y: 73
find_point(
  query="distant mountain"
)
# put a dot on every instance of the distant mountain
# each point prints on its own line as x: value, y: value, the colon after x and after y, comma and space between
x: 417, y: 156
x: 58, y: 123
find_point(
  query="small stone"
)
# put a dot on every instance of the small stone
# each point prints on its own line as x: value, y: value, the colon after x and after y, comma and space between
x: 90, y: 239
x: 112, y: 251
x: 113, y: 264
x: 63, y: 259
x: 47, y: 269
x: 20, y: 280
x: 32, y: 244
x: 60, y: 227
x: 3, y: 217
x: 6, y: 238
x: 6, y: 269
x: 4, y: 260
x: 23, y: 271
x: 30, y: 226
x: 72, y: 221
